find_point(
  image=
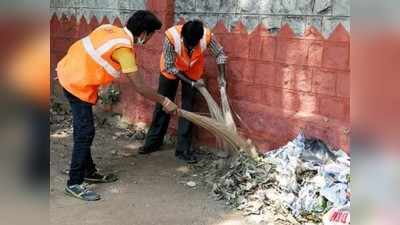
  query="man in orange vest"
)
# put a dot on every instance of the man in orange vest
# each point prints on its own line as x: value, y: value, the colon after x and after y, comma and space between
x: 183, y: 59
x: 91, y: 62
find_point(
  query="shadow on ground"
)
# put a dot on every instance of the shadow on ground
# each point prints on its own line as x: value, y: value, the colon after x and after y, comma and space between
x: 152, y: 190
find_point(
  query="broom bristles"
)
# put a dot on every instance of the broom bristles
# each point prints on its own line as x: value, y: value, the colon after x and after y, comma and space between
x: 215, y: 114
x: 226, y: 110
x: 221, y: 130
x: 212, y: 105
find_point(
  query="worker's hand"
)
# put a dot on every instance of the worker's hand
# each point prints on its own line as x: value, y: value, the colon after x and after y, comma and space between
x: 199, y: 83
x: 169, y: 106
x: 221, y: 82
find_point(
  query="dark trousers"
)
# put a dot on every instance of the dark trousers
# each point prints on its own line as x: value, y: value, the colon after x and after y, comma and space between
x: 83, y: 134
x: 161, y: 119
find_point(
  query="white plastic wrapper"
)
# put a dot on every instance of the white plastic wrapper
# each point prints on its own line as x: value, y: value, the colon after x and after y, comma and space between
x: 299, y: 182
x: 328, y: 188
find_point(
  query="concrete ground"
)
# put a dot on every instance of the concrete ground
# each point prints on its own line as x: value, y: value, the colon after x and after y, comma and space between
x: 152, y: 189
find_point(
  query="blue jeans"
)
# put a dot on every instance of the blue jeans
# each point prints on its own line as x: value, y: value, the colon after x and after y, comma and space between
x: 83, y: 133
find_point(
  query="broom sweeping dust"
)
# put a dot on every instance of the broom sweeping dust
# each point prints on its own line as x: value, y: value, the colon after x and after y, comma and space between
x: 224, y: 116
x: 222, y: 131
x: 216, y: 114
x: 221, y: 124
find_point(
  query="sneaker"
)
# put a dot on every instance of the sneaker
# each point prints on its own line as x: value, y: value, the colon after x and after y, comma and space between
x: 81, y: 191
x: 146, y: 150
x: 188, y: 158
x: 96, y: 177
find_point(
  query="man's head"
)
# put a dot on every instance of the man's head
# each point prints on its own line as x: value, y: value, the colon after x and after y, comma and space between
x: 142, y: 24
x: 192, y: 32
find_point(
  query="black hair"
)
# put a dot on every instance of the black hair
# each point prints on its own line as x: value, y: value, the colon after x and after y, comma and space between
x: 192, y: 32
x: 143, y: 21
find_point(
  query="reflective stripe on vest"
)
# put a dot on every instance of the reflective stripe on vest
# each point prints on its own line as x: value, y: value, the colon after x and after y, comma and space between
x: 96, y: 56
x: 129, y: 33
x: 177, y: 40
x: 110, y: 44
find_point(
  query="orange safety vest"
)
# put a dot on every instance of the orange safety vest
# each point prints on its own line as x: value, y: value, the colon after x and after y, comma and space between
x: 193, y: 66
x: 88, y: 63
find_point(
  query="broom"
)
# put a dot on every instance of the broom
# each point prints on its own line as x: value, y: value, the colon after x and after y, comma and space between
x: 212, y: 105
x: 217, y: 115
x: 226, y: 110
x: 221, y: 130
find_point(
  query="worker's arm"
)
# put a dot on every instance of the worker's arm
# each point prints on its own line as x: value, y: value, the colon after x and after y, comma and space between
x: 169, y: 62
x: 126, y: 59
x: 218, y: 52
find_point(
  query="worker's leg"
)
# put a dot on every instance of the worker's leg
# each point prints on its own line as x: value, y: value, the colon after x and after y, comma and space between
x: 83, y: 134
x: 161, y: 119
x: 185, y: 126
x: 91, y: 167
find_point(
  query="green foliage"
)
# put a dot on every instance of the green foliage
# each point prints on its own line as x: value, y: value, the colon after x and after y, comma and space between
x: 109, y: 95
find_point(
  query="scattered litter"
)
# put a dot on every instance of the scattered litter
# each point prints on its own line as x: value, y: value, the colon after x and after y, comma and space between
x: 303, y: 182
x: 191, y: 184
x: 119, y: 134
x: 114, y: 190
x: 125, y: 154
x: 65, y: 171
x: 296, y: 184
x: 60, y: 134
x: 183, y: 169
x: 132, y: 146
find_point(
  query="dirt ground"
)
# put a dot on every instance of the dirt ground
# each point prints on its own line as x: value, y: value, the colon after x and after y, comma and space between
x: 152, y: 190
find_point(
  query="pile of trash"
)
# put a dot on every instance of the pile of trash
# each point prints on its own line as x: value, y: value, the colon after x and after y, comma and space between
x: 303, y: 182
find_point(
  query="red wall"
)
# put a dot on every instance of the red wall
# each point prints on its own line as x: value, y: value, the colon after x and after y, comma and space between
x: 279, y: 84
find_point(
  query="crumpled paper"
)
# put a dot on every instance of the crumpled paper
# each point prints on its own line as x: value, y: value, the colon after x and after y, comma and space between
x: 299, y: 182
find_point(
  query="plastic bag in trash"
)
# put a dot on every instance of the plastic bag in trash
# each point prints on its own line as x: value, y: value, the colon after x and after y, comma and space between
x: 337, y: 194
x: 308, y: 201
x: 336, y: 173
x: 317, y: 151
